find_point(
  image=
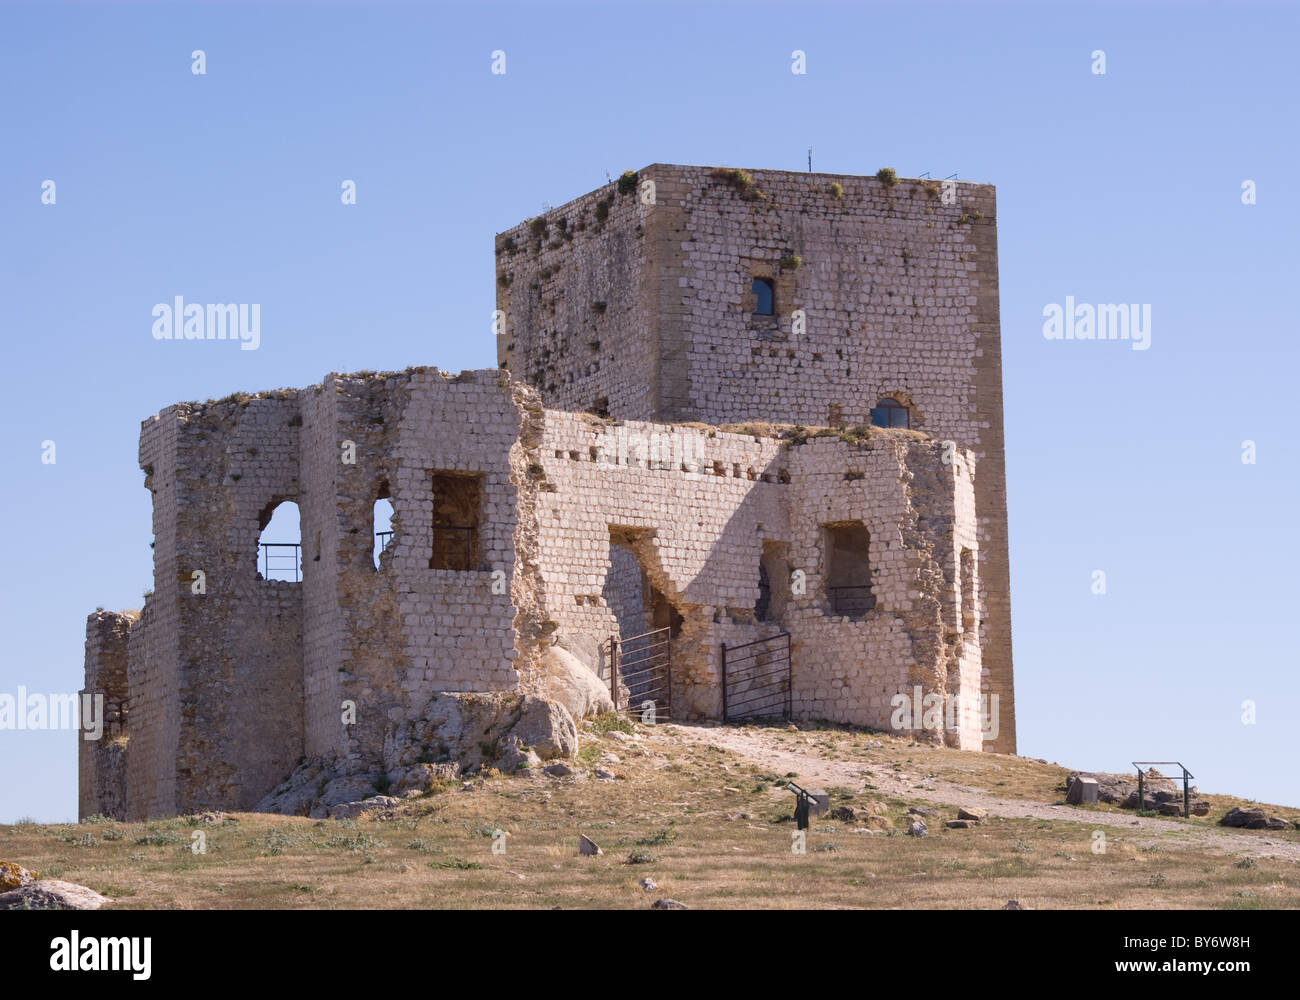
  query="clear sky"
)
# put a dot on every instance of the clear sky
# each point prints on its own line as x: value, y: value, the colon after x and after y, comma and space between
x: 1122, y: 187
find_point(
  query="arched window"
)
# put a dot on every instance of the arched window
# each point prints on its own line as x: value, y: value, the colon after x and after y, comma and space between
x: 763, y: 297
x: 890, y: 413
x: 279, y: 547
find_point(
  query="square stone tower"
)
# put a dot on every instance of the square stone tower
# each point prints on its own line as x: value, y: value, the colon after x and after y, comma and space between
x: 725, y: 296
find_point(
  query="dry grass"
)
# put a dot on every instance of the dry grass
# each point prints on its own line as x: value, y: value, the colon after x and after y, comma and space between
x: 710, y: 828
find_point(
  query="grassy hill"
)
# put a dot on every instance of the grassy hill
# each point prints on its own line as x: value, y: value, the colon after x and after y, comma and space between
x: 702, y: 812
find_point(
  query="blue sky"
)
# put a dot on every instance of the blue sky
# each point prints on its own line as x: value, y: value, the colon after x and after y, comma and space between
x: 1122, y: 187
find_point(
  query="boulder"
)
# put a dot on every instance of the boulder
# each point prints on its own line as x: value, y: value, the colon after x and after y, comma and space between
x: 1253, y: 819
x: 667, y: 904
x: 974, y: 815
x: 515, y: 755
x: 571, y: 683
x: 917, y: 828
x: 547, y: 727
x: 421, y: 777
x: 14, y: 876
x: 960, y: 824
x: 51, y: 894
x: 351, y: 810
x: 587, y: 847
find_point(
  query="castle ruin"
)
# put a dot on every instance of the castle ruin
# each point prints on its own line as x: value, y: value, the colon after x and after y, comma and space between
x: 739, y: 410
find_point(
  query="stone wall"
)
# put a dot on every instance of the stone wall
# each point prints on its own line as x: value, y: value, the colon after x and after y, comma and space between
x: 699, y: 506
x: 895, y: 287
x: 101, y: 763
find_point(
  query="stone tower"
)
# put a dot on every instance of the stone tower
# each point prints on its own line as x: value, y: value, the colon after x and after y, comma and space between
x: 640, y: 301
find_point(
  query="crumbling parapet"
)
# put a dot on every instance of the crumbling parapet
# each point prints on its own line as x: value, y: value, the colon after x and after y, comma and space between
x: 101, y: 761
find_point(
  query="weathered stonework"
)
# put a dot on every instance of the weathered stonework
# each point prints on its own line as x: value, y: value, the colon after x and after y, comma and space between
x: 522, y: 523
x: 642, y: 309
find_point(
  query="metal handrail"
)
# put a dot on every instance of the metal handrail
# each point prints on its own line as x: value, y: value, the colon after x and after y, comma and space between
x: 266, y: 548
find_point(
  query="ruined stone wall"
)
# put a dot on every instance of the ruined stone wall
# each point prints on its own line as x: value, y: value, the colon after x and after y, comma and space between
x: 101, y: 762
x: 153, y: 673
x: 698, y: 505
x: 693, y: 504
x: 917, y: 510
x: 321, y: 465
x: 238, y: 666
x: 396, y: 634
x: 896, y: 290
x: 578, y: 302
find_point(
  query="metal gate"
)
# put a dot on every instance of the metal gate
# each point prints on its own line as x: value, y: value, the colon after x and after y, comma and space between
x: 640, y: 676
x: 757, y: 679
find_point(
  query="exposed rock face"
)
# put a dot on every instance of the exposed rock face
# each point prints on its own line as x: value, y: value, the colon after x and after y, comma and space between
x: 463, y: 732
x: 571, y: 682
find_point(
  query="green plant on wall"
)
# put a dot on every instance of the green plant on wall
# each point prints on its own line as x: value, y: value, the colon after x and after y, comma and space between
x: 740, y: 180
x: 887, y: 176
x: 627, y: 182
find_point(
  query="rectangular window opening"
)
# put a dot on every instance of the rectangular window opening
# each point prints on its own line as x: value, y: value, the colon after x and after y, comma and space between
x: 457, y: 502
x: 848, y: 569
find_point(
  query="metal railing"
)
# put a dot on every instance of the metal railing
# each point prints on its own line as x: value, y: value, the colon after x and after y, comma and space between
x: 758, y: 679
x: 275, y: 555
x: 640, y: 675
x: 1187, y: 777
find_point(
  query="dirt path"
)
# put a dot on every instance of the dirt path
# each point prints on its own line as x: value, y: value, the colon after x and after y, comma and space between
x: 760, y: 747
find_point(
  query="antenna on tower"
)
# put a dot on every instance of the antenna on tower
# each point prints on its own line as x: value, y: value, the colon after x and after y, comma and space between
x: 608, y: 179
x: 810, y: 149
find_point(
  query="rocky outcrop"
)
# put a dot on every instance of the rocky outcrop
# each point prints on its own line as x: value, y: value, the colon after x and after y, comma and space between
x: 1159, y: 793
x: 457, y: 733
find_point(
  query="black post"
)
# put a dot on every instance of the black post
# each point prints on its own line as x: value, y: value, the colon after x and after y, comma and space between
x: 789, y: 679
x: 668, y: 669
x: 1141, y: 798
x: 724, y: 682
x: 613, y: 670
